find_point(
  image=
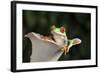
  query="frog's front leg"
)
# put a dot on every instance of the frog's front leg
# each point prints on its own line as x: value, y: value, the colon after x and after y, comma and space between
x: 72, y: 42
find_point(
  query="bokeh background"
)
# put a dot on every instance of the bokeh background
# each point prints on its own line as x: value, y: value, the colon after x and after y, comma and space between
x: 77, y: 26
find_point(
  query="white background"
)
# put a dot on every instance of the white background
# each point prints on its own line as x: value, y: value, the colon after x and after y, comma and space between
x: 21, y: 65
x: 5, y: 36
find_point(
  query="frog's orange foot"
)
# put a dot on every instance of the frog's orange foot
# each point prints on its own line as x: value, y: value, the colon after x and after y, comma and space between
x: 65, y: 49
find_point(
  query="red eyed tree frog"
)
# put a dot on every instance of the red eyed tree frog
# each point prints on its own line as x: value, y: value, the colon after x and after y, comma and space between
x: 60, y: 37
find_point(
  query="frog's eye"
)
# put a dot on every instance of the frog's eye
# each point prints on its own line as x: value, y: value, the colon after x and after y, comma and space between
x: 62, y: 29
x: 53, y: 27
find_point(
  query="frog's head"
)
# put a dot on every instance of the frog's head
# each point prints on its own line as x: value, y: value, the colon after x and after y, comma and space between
x: 60, y: 31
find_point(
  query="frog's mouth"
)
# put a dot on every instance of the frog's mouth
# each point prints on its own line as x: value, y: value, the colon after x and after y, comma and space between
x: 60, y: 33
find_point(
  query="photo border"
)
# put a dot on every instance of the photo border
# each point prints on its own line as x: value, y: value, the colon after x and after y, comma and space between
x: 13, y: 34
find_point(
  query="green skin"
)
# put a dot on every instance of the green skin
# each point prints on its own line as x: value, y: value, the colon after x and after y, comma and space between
x: 57, y: 30
x: 68, y: 43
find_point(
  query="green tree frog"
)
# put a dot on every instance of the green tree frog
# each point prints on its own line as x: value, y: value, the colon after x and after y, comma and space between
x: 60, y: 37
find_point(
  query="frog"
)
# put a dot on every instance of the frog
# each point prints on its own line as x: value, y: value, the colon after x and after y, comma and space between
x: 61, y: 39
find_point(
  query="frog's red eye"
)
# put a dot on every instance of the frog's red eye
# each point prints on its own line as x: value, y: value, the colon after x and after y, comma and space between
x: 62, y: 29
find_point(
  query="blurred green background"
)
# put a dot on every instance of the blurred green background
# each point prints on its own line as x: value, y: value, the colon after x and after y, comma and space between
x: 77, y: 26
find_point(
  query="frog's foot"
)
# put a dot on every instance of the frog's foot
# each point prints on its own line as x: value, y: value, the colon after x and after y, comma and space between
x: 46, y: 38
x: 64, y: 49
